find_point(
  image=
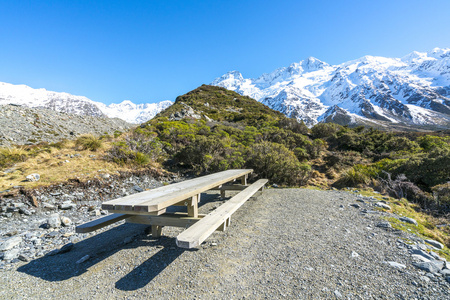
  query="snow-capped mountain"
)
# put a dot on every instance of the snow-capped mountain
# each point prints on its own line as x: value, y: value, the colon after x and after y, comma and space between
x: 412, y: 90
x: 64, y: 102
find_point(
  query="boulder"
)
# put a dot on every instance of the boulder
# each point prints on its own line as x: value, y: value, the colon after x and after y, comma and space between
x: 33, y: 177
x: 54, y: 221
x: 10, y: 243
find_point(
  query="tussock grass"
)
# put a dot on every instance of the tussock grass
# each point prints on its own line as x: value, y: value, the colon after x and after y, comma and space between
x: 58, y: 165
x: 88, y: 142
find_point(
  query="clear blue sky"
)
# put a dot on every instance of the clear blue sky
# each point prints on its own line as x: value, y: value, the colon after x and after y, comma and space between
x: 149, y: 51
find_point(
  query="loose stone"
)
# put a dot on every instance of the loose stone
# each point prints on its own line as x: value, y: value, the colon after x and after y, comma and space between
x: 11, y: 254
x: 435, y: 244
x: 408, y: 220
x: 396, y: 265
x: 66, y: 221
x: 382, y: 205
x: 33, y: 177
x: 83, y: 259
x: 10, y: 243
x: 384, y: 225
x: 54, y: 221
x: 431, y: 266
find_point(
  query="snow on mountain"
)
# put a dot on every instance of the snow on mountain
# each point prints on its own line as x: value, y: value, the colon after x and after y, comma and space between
x: 412, y: 90
x: 64, y: 102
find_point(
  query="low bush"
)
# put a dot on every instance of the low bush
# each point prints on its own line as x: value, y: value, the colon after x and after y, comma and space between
x: 277, y: 163
x: 88, y: 142
x: 12, y: 155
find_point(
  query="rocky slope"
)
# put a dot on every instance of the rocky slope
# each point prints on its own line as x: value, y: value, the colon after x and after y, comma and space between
x: 20, y: 125
x: 413, y: 90
x: 64, y: 102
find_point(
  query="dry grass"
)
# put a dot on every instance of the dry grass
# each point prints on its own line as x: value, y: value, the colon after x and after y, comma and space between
x: 58, y: 166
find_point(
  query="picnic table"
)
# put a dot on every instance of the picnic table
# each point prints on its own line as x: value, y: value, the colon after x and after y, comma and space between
x: 150, y: 207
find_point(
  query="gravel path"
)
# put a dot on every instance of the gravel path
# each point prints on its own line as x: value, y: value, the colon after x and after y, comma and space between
x: 285, y: 243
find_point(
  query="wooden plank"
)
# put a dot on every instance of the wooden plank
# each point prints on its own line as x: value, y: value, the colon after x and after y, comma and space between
x: 207, y: 183
x: 231, y: 187
x: 162, y: 197
x: 175, y: 220
x: 100, y: 223
x: 200, y: 231
x: 151, y: 213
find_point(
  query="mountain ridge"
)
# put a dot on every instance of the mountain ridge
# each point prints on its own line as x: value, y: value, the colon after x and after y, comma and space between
x: 80, y: 105
x: 412, y: 90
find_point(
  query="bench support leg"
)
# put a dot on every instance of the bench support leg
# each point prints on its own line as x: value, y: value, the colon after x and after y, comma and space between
x: 244, y: 179
x: 192, y: 206
x: 156, y: 231
x: 222, y: 194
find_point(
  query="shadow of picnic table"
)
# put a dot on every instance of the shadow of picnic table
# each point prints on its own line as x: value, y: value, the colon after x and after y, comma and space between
x: 60, y: 267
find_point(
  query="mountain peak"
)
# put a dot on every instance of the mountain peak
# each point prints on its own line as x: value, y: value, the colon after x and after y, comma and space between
x: 313, y: 64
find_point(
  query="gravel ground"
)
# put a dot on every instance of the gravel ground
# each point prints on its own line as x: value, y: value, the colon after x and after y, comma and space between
x: 285, y: 243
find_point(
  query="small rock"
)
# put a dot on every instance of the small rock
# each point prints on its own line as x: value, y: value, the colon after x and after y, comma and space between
x: 435, y: 244
x: 33, y: 177
x: 48, y: 205
x: 138, y: 188
x: 65, y: 221
x: 354, y: 254
x: 25, y: 211
x: 431, y: 266
x: 67, y: 205
x: 104, y: 175
x: 425, y: 278
x: 337, y: 294
x: 383, y: 205
x: 213, y: 244
x: 445, y: 272
x: 384, y: 225
x: 436, y: 256
x: 396, y: 265
x: 10, y: 243
x: 11, y: 254
x: 83, y: 259
x: 54, y: 221
x: 95, y: 213
x: 52, y: 234
x: 24, y: 258
x: 66, y: 248
x: 275, y: 185
x: 355, y: 205
x: 408, y: 220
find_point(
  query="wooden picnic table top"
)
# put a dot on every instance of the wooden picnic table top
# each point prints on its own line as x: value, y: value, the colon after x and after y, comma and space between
x: 155, y: 200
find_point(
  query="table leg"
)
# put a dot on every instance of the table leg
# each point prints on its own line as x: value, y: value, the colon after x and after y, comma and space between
x: 192, y: 207
x: 156, y: 231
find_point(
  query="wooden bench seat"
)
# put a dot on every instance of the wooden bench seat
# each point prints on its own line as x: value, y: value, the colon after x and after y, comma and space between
x: 201, y: 230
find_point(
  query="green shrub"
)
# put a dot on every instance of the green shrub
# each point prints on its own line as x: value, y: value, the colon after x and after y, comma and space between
x: 358, y: 175
x: 441, y: 194
x: 277, y: 163
x: 136, y: 148
x: 88, y: 142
